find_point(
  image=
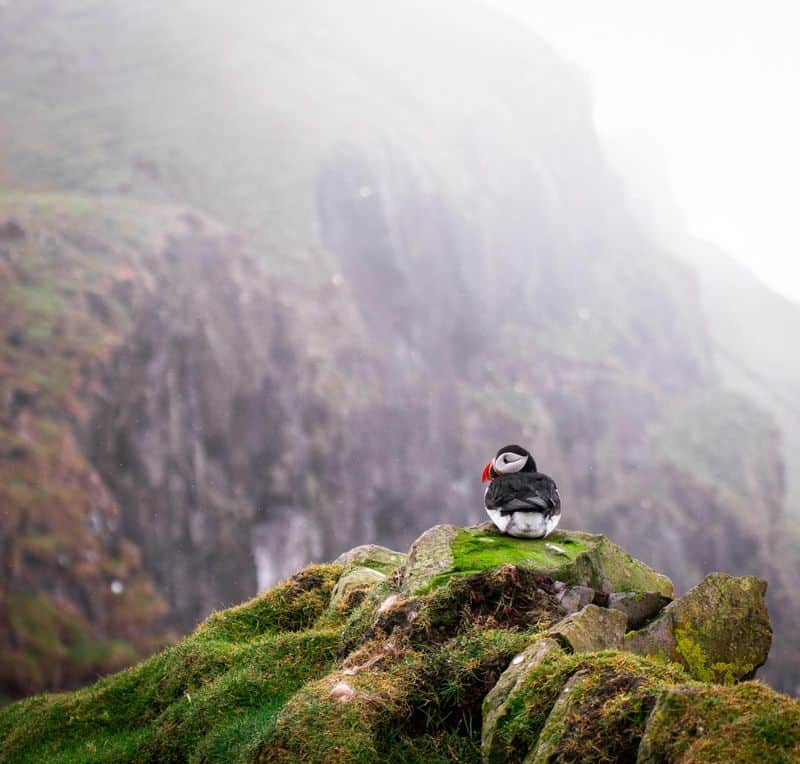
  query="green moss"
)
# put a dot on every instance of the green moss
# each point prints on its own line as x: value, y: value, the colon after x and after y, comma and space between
x: 197, y: 693
x: 358, y: 624
x: 407, y: 703
x: 263, y: 676
x: 531, y: 701
x: 475, y: 551
x: 569, y: 556
x: 290, y: 606
x: 745, y: 723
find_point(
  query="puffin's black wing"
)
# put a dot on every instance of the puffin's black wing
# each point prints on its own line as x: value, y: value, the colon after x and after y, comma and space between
x: 524, y: 492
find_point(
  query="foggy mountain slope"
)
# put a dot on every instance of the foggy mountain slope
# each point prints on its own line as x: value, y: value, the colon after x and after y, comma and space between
x: 748, y: 322
x: 445, y: 264
x: 75, y: 596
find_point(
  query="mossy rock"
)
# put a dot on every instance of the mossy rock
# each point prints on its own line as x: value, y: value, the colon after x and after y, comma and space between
x: 495, y: 707
x: 599, y: 717
x: 372, y: 556
x: 509, y: 597
x: 591, y: 630
x: 357, y: 579
x: 387, y: 699
x: 607, y: 717
x: 719, y: 630
x: 364, y: 567
x: 571, y: 556
x: 746, y: 723
x: 639, y: 607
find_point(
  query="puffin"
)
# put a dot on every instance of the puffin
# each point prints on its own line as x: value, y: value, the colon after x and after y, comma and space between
x: 520, y: 500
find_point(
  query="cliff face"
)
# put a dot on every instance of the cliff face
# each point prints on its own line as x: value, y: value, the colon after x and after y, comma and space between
x: 75, y: 596
x: 430, y: 258
x: 472, y: 647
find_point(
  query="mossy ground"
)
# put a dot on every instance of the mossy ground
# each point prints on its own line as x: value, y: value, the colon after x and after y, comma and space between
x: 287, y: 677
x: 475, y: 550
x: 201, y: 699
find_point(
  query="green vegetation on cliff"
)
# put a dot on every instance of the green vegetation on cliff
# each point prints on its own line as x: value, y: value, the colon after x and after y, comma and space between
x: 469, y: 671
x: 70, y: 267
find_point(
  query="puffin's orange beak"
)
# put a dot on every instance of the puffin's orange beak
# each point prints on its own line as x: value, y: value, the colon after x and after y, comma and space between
x: 487, y: 473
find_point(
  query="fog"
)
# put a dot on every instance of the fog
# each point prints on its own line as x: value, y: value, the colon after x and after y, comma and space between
x: 279, y: 278
x: 704, y: 93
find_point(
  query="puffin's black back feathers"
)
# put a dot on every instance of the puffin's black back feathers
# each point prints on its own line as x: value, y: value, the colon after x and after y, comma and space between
x: 524, y: 491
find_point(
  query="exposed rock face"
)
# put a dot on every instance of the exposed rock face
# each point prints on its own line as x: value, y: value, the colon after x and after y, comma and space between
x: 468, y: 670
x: 591, y: 629
x: 76, y: 598
x: 638, y: 607
x: 719, y: 630
x: 186, y: 428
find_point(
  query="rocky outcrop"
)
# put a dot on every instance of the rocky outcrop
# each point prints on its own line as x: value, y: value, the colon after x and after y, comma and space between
x: 343, y: 663
x: 572, y: 557
x: 719, y: 630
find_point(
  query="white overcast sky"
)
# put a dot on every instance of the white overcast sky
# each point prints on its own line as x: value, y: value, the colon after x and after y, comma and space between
x: 715, y: 87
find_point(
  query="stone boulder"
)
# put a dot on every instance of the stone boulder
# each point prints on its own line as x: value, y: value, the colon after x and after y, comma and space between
x: 575, y: 598
x: 364, y: 567
x: 576, y: 558
x: 357, y: 578
x: 591, y: 629
x: 373, y: 556
x: 719, y: 630
x: 496, y: 707
x: 639, y: 607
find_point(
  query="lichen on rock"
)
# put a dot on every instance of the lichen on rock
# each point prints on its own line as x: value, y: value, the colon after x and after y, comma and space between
x: 719, y: 630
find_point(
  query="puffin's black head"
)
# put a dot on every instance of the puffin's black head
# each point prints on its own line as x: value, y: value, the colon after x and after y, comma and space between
x: 509, y: 459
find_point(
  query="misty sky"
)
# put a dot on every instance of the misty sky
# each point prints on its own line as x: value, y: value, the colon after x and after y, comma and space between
x: 712, y: 86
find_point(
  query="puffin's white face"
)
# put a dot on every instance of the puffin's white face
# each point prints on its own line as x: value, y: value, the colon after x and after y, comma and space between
x: 509, y: 462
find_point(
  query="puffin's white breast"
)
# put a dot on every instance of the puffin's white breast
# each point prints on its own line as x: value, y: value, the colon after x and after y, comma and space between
x: 530, y: 525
